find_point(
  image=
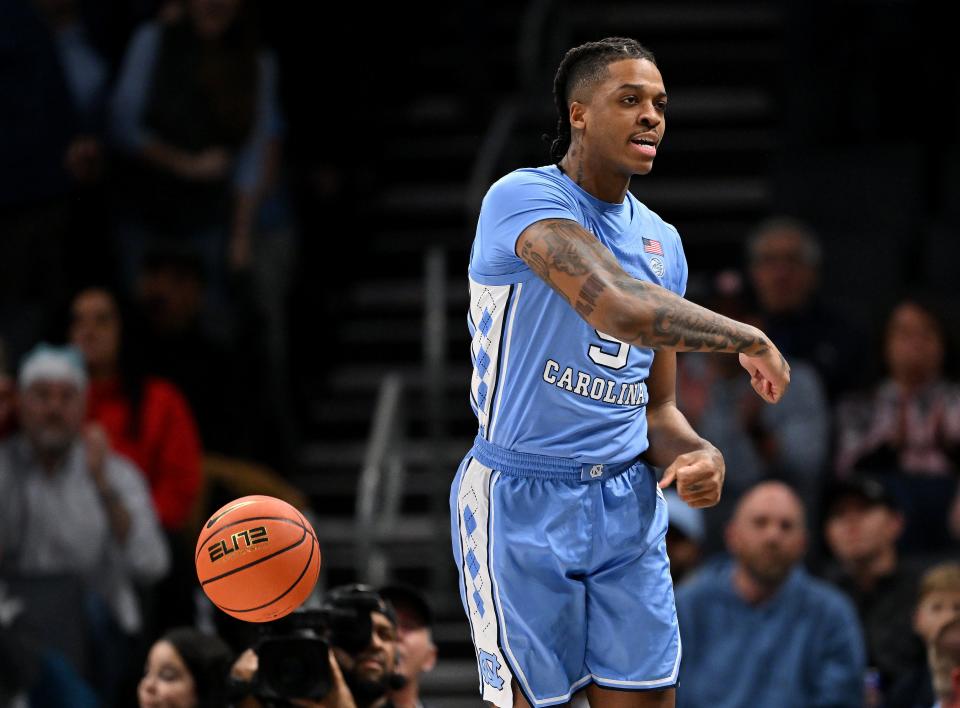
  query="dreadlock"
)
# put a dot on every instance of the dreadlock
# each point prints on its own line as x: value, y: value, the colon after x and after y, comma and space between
x: 584, y: 65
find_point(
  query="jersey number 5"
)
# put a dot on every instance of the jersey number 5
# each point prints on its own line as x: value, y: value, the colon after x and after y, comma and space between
x: 616, y: 360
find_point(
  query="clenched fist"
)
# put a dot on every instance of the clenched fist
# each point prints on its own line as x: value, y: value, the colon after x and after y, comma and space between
x: 769, y: 373
x: 699, y: 476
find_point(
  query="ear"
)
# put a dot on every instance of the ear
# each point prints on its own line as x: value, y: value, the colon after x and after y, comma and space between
x: 577, y: 111
x: 431, y: 660
x: 955, y: 680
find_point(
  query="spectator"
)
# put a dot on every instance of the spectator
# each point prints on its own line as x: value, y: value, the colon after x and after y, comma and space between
x: 85, y: 73
x: 908, y: 427
x: 788, y: 441
x: 221, y: 378
x: 862, y: 527
x: 186, y: 668
x: 938, y: 603
x: 192, y: 111
x: 145, y: 418
x: 52, y: 99
x: 148, y: 421
x: 685, y: 536
x: 70, y: 505
x: 784, y: 256
x: 417, y: 653
x: 735, y: 615
x: 945, y: 665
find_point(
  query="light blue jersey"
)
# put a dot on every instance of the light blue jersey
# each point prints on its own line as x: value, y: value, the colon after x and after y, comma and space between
x: 558, y: 530
x: 544, y: 381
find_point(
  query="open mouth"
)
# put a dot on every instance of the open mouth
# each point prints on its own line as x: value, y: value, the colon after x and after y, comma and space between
x: 646, y: 146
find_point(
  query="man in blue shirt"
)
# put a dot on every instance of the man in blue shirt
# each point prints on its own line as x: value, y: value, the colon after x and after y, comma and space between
x: 576, y: 313
x: 757, y: 630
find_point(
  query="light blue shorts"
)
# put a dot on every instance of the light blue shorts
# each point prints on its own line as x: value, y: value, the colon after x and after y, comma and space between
x: 563, y: 575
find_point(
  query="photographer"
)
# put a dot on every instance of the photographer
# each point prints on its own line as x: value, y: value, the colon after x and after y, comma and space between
x: 340, y: 656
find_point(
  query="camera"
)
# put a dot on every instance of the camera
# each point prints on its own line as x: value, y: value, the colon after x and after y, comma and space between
x: 293, y: 651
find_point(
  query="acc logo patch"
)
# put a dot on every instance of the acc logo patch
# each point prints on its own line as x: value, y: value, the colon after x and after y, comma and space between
x: 656, y: 265
x: 489, y: 669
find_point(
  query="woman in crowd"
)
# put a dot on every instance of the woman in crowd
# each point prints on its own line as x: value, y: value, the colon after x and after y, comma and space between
x: 907, y: 428
x: 145, y: 419
x: 186, y: 669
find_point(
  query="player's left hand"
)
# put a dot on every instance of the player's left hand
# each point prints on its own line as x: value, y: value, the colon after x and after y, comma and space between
x: 769, y: 373
x: 699, y: 476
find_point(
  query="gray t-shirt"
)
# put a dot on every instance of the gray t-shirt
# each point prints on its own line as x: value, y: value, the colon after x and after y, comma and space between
x: 57, y: 523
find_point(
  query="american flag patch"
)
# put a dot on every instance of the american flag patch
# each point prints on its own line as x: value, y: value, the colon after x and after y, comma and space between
x: 651, y: 246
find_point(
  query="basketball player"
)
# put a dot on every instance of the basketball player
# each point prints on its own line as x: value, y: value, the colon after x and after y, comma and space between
x: 576, y: 312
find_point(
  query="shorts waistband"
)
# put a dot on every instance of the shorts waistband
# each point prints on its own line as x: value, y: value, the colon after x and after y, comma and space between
x: 527, y: 464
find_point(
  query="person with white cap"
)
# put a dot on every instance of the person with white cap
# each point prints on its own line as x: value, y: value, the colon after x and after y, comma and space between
x: 68, y: 505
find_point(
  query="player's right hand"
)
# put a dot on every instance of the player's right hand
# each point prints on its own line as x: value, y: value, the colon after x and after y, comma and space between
x: 699, y: 475
x: 769, y: 373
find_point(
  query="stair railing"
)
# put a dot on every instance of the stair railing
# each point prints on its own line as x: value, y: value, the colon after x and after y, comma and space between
x: 380, y: 488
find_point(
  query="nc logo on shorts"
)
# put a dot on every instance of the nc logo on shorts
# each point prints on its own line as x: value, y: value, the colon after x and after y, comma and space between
x: 596, y: 471
x: 489, y: 668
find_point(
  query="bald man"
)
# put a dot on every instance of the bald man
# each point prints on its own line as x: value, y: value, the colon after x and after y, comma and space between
x: 757, y: 630
x: 945, y: 665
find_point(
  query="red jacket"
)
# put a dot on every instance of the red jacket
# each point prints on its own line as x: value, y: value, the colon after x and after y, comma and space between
x: 167, y: 447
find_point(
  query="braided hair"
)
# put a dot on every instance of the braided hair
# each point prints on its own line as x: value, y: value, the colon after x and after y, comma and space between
x: 583, y: 65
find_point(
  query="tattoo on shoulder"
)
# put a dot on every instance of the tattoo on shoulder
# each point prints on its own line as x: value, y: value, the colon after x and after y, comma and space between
x: 561, y: 246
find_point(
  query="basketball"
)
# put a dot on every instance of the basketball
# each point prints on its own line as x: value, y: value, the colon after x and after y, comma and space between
x: 257, y: 558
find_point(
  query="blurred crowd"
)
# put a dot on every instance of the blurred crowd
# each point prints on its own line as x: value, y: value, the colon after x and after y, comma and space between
x: 830, y: 567
x: 147, y: 247
x: 145, y: 260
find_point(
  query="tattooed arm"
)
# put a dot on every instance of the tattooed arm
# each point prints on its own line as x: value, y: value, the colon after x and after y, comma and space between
x: 578, y: 267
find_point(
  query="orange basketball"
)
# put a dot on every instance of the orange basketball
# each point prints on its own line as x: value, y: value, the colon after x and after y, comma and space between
x: 257, y: 558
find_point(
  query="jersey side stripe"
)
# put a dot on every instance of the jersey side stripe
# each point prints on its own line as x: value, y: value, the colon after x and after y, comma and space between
x: 499, y: 326
x: 503, y: 358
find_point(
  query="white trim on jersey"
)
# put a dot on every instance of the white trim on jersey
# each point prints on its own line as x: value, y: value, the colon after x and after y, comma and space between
x: 495, y: 301
x: 655, y: 683
x: 474, y: 492
x: 506, y: 361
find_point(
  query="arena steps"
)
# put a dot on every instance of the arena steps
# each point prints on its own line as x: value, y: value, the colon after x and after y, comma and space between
x: 392, y: 294
x: 350, y: 453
